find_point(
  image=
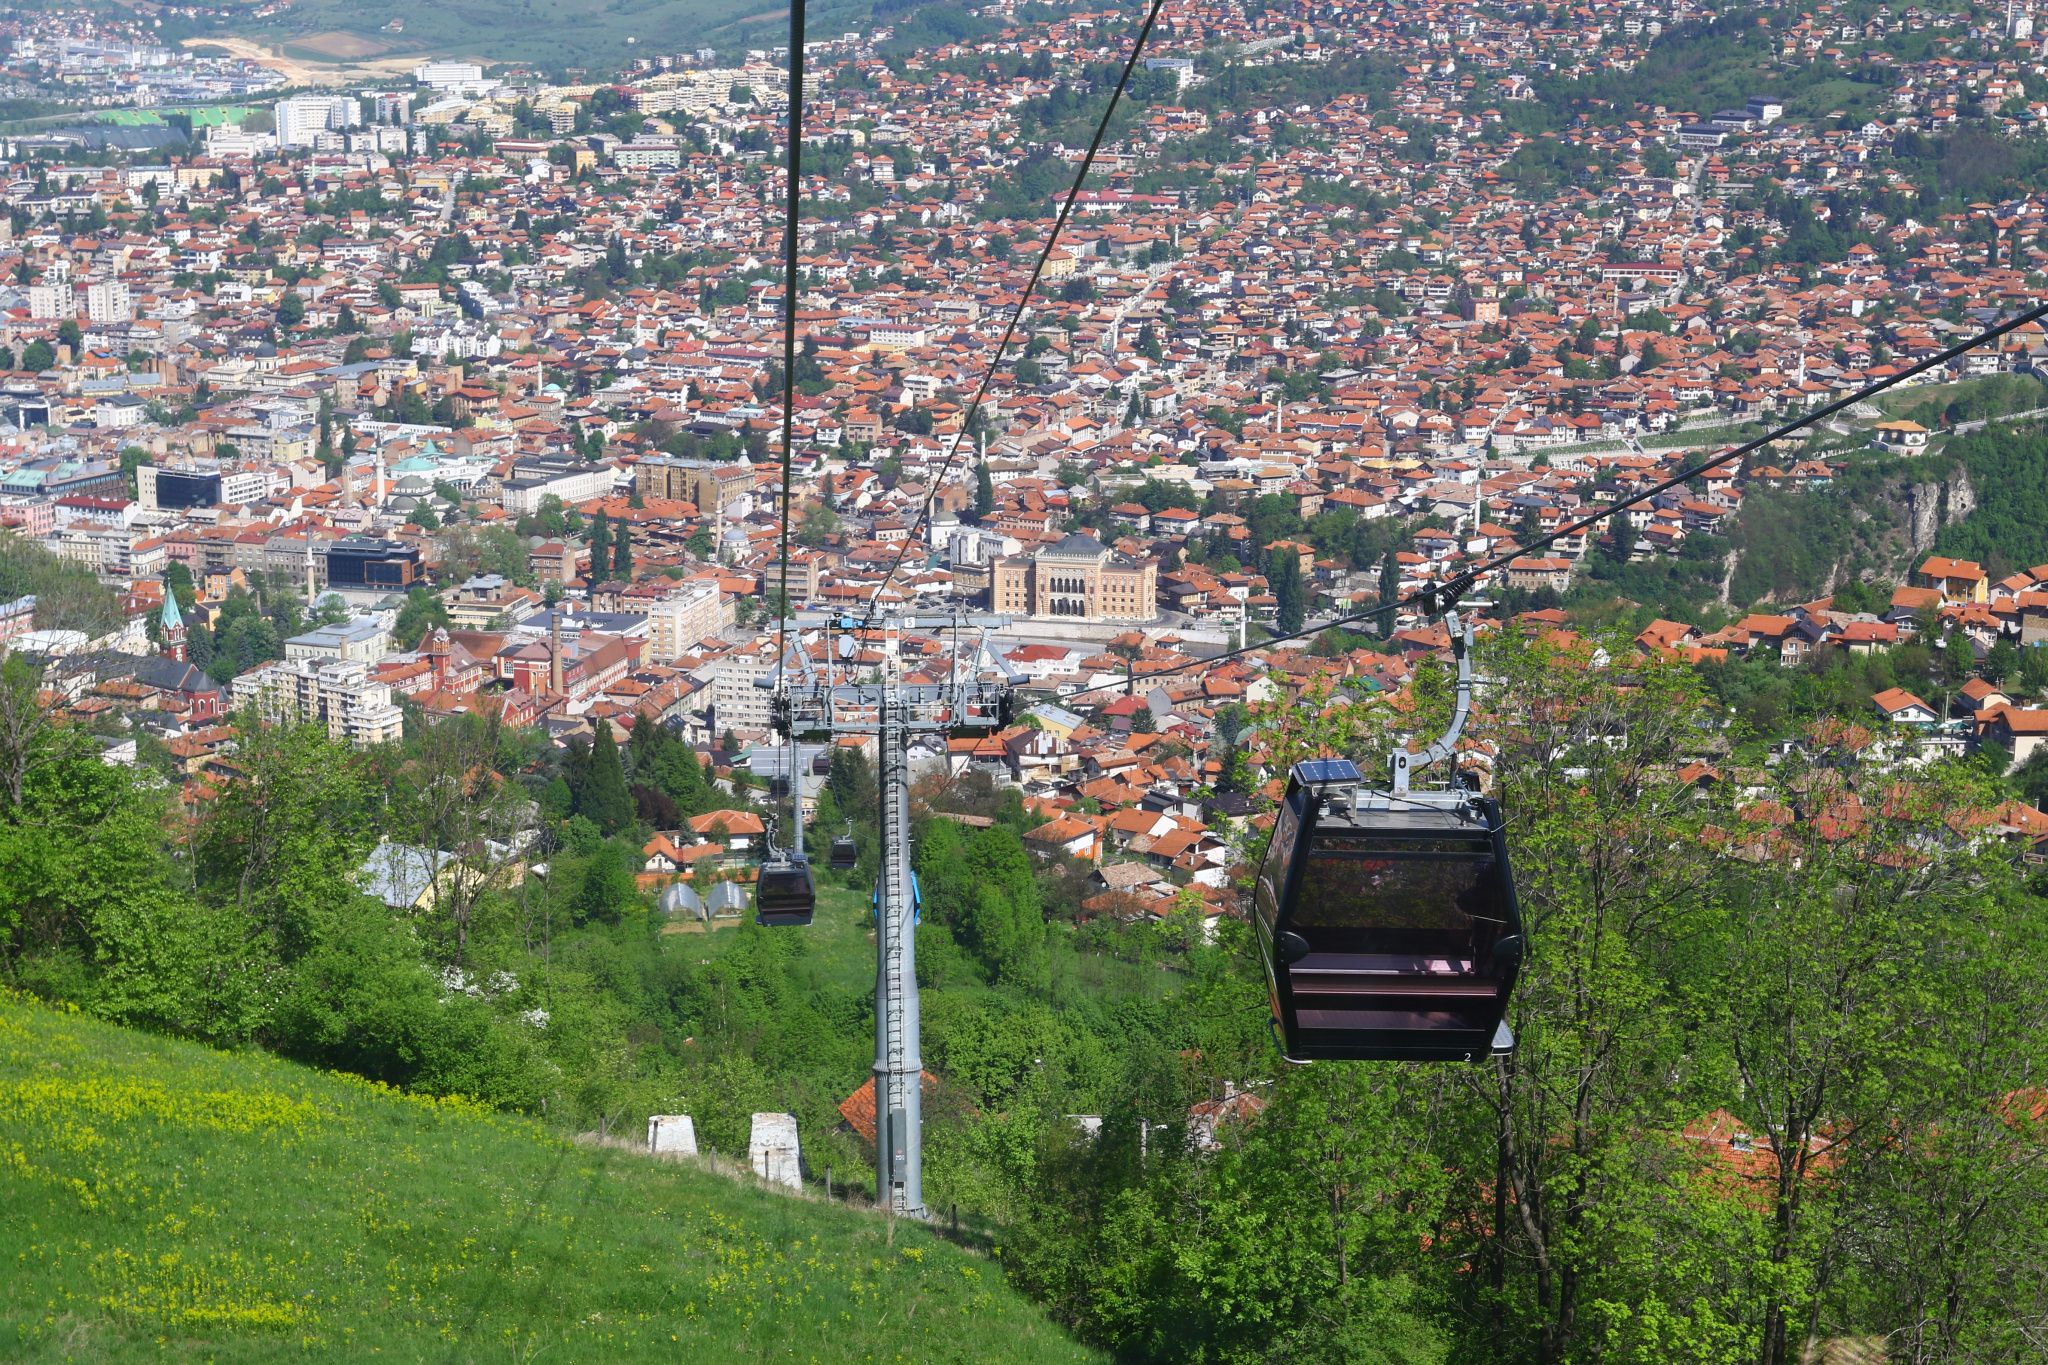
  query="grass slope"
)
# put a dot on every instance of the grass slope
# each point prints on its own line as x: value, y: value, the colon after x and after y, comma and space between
x: 161, y: 1200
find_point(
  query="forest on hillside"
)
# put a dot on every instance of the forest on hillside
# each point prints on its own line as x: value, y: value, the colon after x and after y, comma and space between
x: 1795, y: 544
x: 1779, y: 1076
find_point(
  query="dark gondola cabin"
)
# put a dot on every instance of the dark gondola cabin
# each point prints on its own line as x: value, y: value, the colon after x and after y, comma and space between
x: 845, y: 854
x: 784, y: 895
x: 1388, y: 924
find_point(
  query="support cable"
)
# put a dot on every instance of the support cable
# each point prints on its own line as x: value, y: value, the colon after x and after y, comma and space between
x: 917, y: 526
x: 1438, y: 597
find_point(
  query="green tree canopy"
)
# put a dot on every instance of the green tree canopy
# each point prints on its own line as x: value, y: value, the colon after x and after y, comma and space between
x: 603, y: 797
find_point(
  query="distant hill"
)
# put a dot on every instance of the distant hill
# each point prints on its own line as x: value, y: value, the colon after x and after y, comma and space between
x: 169, y: 1202
x: 548, y: 33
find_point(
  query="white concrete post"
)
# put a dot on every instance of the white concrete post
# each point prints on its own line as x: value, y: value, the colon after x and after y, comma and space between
x: 671, y: 1135
x: 772, y: 1148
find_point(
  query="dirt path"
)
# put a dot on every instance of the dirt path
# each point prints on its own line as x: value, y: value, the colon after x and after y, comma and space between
x: 307, y: 73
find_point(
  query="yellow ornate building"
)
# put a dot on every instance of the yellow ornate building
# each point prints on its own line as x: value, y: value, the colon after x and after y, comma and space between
x: 1080, y: 579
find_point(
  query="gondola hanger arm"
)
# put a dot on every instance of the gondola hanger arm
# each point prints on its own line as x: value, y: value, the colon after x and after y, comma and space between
x: 1405, y: 764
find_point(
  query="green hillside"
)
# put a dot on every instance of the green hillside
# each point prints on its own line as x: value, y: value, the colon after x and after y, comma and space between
x: 547, y: 32
x: 165, y: 1201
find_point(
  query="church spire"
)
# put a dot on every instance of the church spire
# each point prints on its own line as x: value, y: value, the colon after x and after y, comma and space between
x: 172, y: 627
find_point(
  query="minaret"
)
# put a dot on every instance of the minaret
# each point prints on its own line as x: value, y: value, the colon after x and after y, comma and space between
x: 171, y: 627
x: 555, y: 651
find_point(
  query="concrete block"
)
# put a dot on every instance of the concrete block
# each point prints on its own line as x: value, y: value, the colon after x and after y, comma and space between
x: 772, y: 1148
x: 671, y: 1135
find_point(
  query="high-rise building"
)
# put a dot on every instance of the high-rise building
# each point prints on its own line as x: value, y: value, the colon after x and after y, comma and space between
x: 53, y: 298
x: 109, y: 301
x: 362, y: 562
x: 717, y: 488
x: 448, y: 75
x: 678, y: 622
x: 339, y: 694
x: 303, y: 118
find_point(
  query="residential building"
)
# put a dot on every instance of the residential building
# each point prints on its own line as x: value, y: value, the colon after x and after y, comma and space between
x: 339, y: 694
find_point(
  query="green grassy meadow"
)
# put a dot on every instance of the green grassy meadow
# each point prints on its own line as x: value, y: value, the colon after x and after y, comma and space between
x: 159, y: 1200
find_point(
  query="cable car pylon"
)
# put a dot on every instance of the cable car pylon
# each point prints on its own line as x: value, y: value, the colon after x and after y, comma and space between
x: 828, y: 702
x: 1386, y: 919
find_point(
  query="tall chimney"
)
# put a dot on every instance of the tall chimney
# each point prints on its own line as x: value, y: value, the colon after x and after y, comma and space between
x: 555, y: 652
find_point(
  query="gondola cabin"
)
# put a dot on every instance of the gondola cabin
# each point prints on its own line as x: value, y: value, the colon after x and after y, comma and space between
x: 1387, y: 924
x: 784, y: 896
x: 845, y: 854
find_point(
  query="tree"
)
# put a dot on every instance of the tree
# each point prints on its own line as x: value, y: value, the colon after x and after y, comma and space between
x: 661, y: 760
x: 603, y: 797
x: 1849, y: 950
x: 132, y: 459
x: 421, y: 613
x: 1285, y: 581
x: 470, y: 549
x: 447, y: 798
x: 282, y: 845
x: 25, y: 733
x: 984, y: 491
x: 982, y: 886
x: 1958, y: 659
x: 600, y: 545
x: 69, y: 336
x: 1390, y: 592
x: 89, y: 909
x: 2034, y: 670
x: 1237, y: 776
x: 291, y: 309
x: 1563, y: 1123
x: 2032, y: 777
x: 178, y: 583
x: 608, y: 888
x: 39, y: 356
x: 1164, y: 1252
x: 817, y: 525
x: 1620, y: 543
x: 622, y: 554
x: 2001, y: 662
